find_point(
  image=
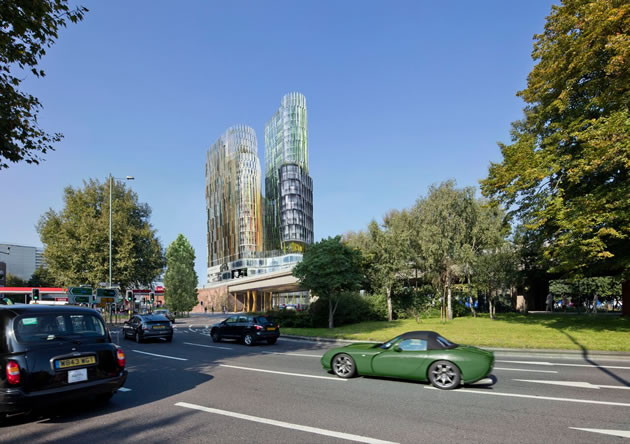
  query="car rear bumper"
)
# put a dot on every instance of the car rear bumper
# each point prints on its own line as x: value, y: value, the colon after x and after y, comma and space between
x: 13, y: 400
x: 148, y: 334
x: 264, y: 335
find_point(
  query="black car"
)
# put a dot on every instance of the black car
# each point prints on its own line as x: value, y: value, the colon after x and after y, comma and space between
x: 52, y: 354
x: 141, y: 327
x: 247, y: 328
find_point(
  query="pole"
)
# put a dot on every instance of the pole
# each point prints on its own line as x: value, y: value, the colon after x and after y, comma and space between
x: 110, y: 230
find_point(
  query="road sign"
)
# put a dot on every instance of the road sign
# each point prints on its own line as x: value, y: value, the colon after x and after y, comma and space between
x: 107, y: 300
x: 82, y: 299
x: 106, y: 292
x: 80, y: 291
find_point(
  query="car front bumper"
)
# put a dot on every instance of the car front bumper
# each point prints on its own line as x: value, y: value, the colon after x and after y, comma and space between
x: 14, y: 400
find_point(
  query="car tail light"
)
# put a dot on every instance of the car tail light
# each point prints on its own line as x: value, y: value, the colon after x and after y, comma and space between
x: 258, y: 327
x: 120, y: 356
x: 13, y: 372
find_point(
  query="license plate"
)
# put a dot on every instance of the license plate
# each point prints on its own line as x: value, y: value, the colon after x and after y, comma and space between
x: 77, y: 375
x: 271, y: 328
x: 158, y: 327
x: 75, y: 362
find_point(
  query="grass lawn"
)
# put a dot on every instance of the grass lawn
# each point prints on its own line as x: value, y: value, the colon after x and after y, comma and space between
x: 509, y: 330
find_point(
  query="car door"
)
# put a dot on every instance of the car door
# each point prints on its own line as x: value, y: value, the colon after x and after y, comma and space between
x: 242, y: 325
x: 127, y: 327
x: 405, y: 359
x: 228, y: 327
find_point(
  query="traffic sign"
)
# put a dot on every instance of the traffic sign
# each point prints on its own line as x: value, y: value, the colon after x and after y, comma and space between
x: 80, y: 291
x: 106, y: 292
x: 81, y: 299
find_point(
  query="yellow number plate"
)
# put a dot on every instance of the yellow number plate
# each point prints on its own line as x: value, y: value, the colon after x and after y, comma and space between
x: 271, y: 328
x: 158, y: 327
x: 75, y: 362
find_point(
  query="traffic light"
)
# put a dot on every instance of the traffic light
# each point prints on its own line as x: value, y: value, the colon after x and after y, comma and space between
x: 35, y: 294
x: 129, y: 295
x: 152, y: 296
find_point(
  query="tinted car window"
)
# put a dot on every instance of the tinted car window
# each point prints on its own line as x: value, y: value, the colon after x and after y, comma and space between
x: 261, y: 320
x: 444, y: 342
x: 389, y: 343
x: 232, y: 320
x: 243, y: 319
x: 46, y: 327
x: 413, y: 345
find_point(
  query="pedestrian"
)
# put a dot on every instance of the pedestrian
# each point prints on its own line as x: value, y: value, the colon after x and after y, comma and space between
x: 205, y: 309
x: 549, y: 302
x: 564, y: 302
x: 212, y: 308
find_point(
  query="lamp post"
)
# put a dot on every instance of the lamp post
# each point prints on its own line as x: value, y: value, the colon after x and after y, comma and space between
x: 111, y: 181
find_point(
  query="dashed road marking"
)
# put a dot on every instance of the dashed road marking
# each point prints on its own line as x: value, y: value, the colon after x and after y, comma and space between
x: 292, y: 354
x: 525, y: 370
x: 124, y: 389
x: 620, y: 433
x: 286, y: 425
x: 578, y: 384
x: 160, y: 356
x: 283, y: 373
x: 563, y: 364
x: 209, y: 346
x: 544, y: 398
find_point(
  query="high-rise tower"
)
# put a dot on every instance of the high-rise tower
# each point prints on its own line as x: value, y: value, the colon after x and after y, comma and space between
x: 233, y: 196
x: 288, y: 186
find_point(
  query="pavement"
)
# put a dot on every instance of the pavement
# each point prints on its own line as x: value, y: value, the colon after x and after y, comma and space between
x: 194, y: 390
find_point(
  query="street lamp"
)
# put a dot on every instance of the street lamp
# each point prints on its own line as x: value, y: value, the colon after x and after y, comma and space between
x: 111, y: 181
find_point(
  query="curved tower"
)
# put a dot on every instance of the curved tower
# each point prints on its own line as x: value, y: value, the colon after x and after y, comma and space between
x: 288, y: 186
x: 233, y: 196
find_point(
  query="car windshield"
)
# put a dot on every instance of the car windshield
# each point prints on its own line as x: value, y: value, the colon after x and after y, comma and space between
x: 263, y: 320
x: 50, y: 327
x: 445, y: 342
x: 389, y: 343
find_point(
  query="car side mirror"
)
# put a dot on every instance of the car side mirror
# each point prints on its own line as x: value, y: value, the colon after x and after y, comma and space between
x: 397, y: 348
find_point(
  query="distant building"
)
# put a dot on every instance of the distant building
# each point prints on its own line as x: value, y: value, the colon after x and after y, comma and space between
x: 288, y: 186
x: 21, y: 260
x: 233, y: 199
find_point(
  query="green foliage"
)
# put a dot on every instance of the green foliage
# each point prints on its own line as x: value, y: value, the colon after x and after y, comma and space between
x: 180, y: 279
x: 567, y: 171
x: 27, y: 29
x: 579, y: 291
x: 414, y: 303
x: 292, y: 318
x: 330, y: 270
x: 42, y: 278
x: 76, y: 239
x: 352, y: 308
x: 15, y: 281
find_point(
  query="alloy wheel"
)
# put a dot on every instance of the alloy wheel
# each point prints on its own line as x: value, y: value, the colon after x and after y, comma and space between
x: 343, y: 366
x: 444, y: 375
x: 248, y: 340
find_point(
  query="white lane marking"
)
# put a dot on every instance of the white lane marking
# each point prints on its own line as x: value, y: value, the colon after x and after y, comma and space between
x: 547, y: 398
x: 620, y: 433
x: 525, y: 370
x: 286, y: 425
x: 160, y: 356
x: 292, y: 354
x: 563, y: 383
x: 191, y: 329
x: 574, y: 384
x: 124, y: 389
x: 563, y: 364
x: 209, y: 346
x: 283, y: 373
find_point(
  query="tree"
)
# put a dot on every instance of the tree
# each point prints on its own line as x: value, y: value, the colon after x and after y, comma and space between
x: 15, y: 281
x: 330, y: 270
x: 76, y: 239
x: 566, y: 173
x: 41, y: 278
x: 496, y: 270
x: 27, y: 29
x: 180, y: 279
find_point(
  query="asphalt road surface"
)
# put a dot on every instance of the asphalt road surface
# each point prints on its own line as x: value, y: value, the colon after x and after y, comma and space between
x: 192, y: 390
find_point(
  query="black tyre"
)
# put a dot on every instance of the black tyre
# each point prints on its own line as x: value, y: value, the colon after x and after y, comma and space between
x: 248, y: 339
x: 343, y: 366
x: 271, y: 341
x: 444, y: 375
x: 216, y: 337
x: 138, y: 338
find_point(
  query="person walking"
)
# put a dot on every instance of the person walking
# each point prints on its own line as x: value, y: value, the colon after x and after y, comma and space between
x: 549, y: 302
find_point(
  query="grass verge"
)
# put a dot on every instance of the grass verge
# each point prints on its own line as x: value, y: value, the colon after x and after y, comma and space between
x: 509, y: 330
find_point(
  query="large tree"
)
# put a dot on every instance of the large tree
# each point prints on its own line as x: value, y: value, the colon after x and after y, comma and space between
x: 566, y: 174
x: 330, y: 269
x: 76, y: 239
x: 180, y: 279
x: 27, y: 29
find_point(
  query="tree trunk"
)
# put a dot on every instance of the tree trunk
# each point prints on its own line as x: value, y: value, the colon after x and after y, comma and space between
x: 595, y: 303
x: 331, y: 322
x: 625, y: 298
x: 470, y: 299
x: 389, y: 304
x: 448, y: 291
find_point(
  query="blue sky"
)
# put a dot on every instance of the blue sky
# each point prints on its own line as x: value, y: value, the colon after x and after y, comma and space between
x: 400, y: 95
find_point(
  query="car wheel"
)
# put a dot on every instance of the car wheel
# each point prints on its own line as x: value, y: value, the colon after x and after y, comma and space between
x: 248, y: 339
x: 444, y: 375
x: 216, y: 337
x: 271, y: 341
x: 138, y: 338
x: 343, y: 366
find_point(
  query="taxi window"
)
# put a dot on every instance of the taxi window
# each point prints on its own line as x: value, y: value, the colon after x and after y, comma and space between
x: 50, y: 327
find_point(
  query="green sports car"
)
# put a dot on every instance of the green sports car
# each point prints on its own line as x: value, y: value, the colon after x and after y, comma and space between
x: 416, y: 355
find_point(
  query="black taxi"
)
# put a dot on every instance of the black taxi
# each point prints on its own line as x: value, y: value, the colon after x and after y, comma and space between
x: 52, y: 354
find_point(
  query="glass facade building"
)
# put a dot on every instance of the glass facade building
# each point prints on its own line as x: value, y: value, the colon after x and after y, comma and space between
x: 288, y: 215
x: 233, y: 197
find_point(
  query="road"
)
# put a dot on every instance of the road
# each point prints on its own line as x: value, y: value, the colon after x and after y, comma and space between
x: 192, y: 390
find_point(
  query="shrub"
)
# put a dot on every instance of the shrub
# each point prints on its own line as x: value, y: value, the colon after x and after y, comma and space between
x: 352, y: 309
